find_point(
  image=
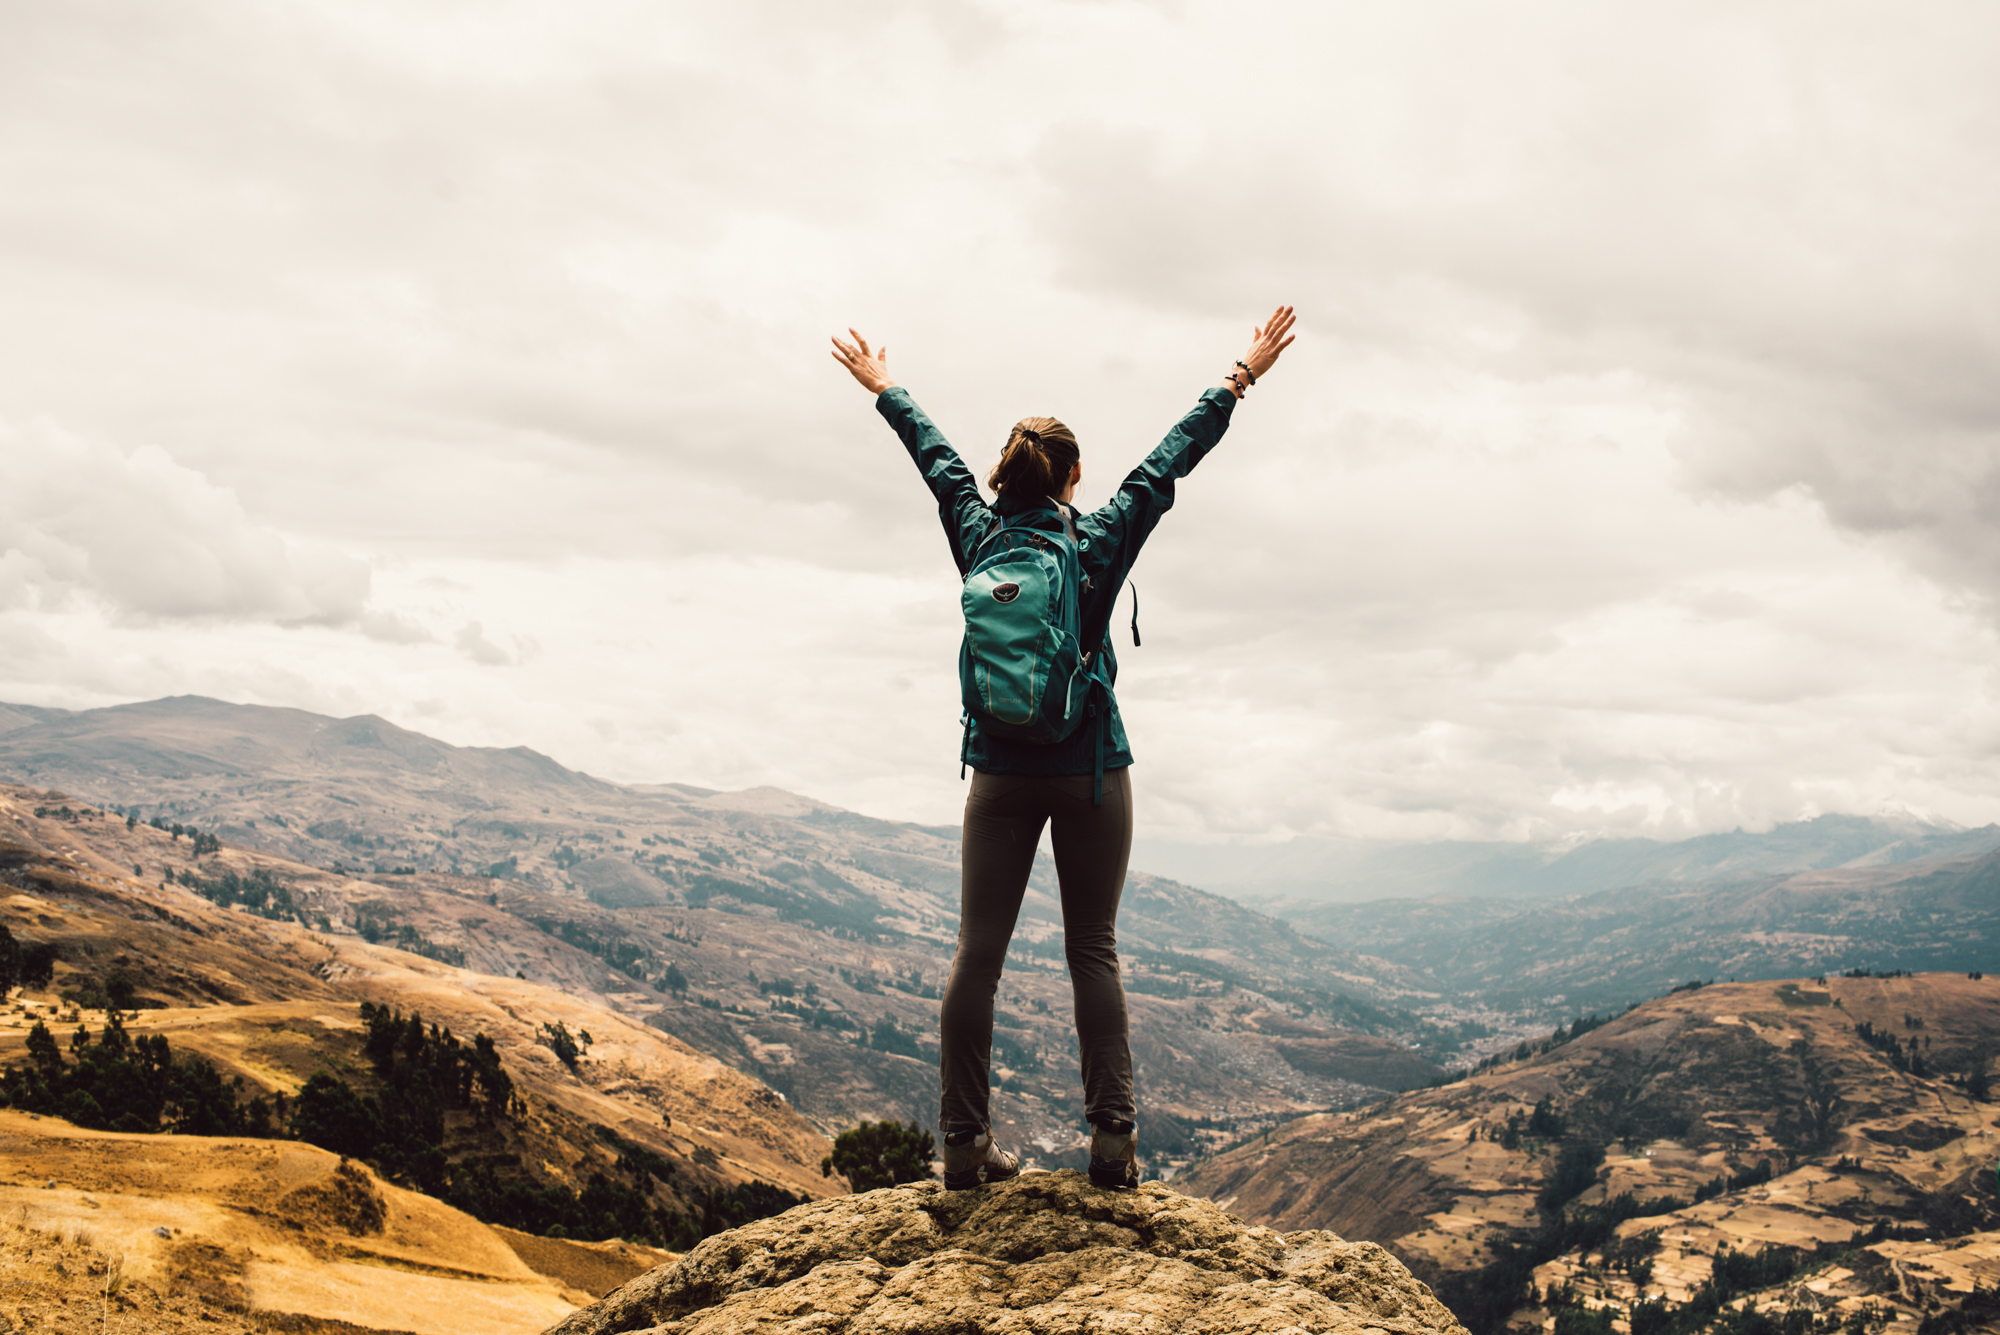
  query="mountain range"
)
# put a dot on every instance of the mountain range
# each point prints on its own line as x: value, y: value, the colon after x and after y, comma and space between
x: 1307, y: 871
x: 763, y: 968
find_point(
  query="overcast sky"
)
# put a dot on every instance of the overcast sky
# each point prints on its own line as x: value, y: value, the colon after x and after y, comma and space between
x: 1635, y: 470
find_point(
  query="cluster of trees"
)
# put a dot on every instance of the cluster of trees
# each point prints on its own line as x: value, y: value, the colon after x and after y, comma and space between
x: 115, y: 1082
x: 203, y: 841
x: 815, y: 1014
x: 1906, y: 1059
x: 114, y: 992
x: 260, y: 892
x: 32, y: 965
x: 1755, y: 1176
x: 1708, y: 1310
x: 851, y: 923
x: 389, y: 930
x: 1731, y: 1275
x: 425, y: 1073
x: 1013, y: 1055
x: 1543, y: 1122
x: 1484, y: 1299
x: 614, y: 948
x: 915, y: 986
x: 569, y: 1048
x: 888, y: 1036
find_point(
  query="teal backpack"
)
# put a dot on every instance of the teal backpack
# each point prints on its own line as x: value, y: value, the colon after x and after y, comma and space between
x: 1024, y: 673
x: 1022, y: 670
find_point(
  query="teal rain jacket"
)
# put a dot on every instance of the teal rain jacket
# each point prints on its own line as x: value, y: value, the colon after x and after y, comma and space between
x: 1109, y: 540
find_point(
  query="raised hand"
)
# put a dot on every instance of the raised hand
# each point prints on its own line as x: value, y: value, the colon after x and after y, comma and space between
x: 1266, y: 343
x: 870, y: 368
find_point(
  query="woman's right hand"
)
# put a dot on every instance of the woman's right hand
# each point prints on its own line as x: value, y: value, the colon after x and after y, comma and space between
x: 870, y: 368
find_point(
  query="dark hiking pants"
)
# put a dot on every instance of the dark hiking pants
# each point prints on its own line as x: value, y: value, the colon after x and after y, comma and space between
x: 1004, y: 816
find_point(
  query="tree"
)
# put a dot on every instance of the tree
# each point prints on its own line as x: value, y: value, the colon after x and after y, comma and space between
x: 330, y: 1115
x: 880, y: 1154
x: 38, y: 964
x: 120, y: 989
x: 564, y: 1044
x: 889, y: 1037
x: 29, y: 966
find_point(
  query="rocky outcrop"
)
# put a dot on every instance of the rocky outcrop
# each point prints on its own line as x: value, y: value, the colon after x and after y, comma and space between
x: 1045, y: 1252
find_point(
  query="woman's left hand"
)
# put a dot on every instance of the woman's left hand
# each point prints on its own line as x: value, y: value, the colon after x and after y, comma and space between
x: 870, y: 368
x: 1269, y: 341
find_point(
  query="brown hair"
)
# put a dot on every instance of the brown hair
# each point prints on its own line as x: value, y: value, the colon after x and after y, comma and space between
x: 1039, y: 453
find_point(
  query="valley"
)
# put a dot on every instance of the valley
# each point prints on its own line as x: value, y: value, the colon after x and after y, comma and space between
x: 803, y: 945
x: 1568, y: 956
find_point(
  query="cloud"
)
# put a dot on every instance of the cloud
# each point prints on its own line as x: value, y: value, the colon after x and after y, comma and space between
x: 1635, y: 470
x: 472, y: 642
x: 1782, y: 225
x: 154, y: 540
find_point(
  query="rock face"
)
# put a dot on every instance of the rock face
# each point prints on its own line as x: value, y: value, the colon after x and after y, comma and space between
x: 1046, y: 1252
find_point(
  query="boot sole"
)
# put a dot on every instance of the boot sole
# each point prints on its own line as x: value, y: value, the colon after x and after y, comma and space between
x: 1118, y: 1175
x: 971, y: 1178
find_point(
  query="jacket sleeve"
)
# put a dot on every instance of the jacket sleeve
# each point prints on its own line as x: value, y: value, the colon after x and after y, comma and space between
x: 1117, y: 531
x: 964, y: 512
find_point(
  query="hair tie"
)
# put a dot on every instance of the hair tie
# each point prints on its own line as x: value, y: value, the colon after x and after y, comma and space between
x: 1034, y: 437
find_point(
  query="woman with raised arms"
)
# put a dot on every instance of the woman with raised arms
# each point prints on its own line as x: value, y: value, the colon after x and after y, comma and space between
x: 1042, y: 731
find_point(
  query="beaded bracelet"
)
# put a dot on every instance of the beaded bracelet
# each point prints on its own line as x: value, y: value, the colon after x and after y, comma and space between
x: 1247, y: 371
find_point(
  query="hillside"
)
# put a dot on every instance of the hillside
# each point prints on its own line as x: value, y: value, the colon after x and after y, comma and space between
x: 274, y: 1004
x: 1761, y: 1118
x: 802, y: 944
x: 263, y: 1225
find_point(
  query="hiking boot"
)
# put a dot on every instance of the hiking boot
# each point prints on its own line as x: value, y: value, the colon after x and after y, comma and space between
x: 1114, y: 1155
x: 970, y: 1156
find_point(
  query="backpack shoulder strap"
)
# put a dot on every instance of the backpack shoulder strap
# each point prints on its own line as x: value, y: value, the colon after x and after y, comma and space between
x: 993, y: 531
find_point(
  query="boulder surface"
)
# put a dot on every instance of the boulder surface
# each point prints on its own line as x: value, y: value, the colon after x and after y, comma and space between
x: 1046, y: 1252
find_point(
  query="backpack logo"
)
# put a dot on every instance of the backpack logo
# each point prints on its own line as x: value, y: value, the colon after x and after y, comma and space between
x: 1006, y: 593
